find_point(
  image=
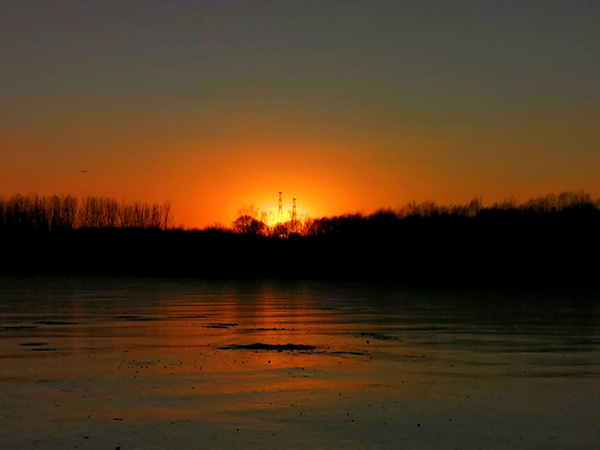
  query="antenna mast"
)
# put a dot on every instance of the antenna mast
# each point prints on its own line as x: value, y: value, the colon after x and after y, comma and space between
x: 294, y: 211
x: 280, y: 208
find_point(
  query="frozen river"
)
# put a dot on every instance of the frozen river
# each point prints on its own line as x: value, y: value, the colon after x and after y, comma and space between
x: 133, y: 363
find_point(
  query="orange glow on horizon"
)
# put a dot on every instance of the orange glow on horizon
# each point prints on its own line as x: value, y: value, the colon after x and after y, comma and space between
x: 208, y: 181
x: 219, y: 108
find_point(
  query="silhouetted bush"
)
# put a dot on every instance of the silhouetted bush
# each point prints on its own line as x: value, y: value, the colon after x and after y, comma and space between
x: 248, y: 225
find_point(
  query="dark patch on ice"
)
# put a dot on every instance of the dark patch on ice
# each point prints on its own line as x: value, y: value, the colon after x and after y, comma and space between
x: 277, y: 347
x: 377, y: 336
x: 33, y: 344
x: 137, y: 318
x: 188, y: 317
x: 42, y: 349
x: 348, y: 353
x: 270, y: 329
x: 220, y: 325
x: 56, y: 322
x: 18, y: 327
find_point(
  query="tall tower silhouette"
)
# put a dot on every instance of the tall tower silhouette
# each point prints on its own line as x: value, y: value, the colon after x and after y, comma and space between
x: 280, y: 208
x: 294, y: 218
x: 294, y: 210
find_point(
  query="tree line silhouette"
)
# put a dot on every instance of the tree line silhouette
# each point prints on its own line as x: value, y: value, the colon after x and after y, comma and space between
x: 253, y: 222
x: 550, y: 239
x: 66, y: 212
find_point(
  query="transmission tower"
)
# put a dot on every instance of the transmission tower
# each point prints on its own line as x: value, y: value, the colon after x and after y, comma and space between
x: 280, y: 208
x: 294, y: 211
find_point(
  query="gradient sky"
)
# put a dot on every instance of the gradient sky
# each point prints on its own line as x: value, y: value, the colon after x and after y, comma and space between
x: 347, y: 105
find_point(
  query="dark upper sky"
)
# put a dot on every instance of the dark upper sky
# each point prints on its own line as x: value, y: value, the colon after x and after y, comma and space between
x: 346, y: 105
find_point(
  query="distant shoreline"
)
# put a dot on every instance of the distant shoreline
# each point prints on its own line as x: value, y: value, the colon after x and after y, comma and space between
x: 551, y: 240
x: 553, y: 250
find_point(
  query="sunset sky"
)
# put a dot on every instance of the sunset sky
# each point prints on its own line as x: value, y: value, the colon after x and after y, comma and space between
x: 346, y: 105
